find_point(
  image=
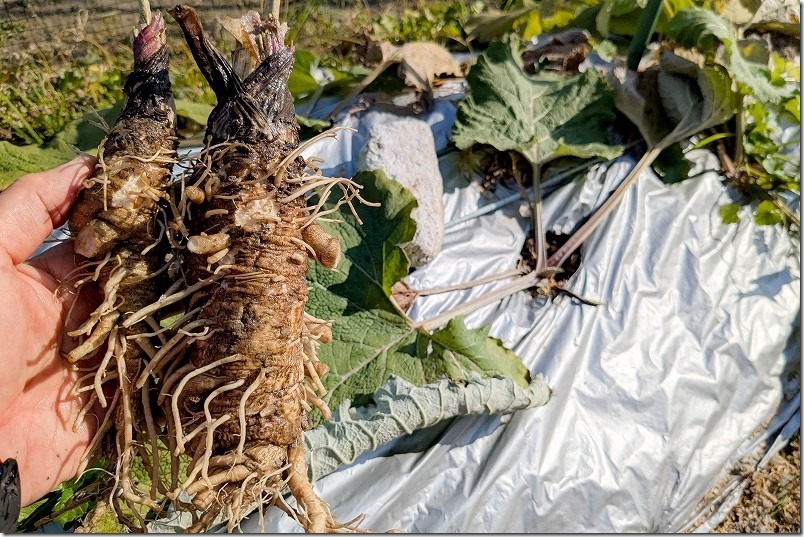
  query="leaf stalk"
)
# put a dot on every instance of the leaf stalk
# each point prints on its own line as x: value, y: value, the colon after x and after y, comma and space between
x: 647, y: 23
x: 520, y: 284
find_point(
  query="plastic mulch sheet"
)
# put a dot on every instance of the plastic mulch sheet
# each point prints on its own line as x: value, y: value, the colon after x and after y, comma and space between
x: 685, y: 369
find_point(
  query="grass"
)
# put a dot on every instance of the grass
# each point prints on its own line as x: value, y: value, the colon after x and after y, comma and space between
x: 37, y: 100
x: 47, y: 82
x: 40, y: 93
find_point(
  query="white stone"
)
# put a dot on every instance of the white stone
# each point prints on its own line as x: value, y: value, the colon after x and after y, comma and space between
x: 404, y: 148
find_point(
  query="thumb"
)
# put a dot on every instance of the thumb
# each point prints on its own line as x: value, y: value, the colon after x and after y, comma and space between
x: 37, y: 203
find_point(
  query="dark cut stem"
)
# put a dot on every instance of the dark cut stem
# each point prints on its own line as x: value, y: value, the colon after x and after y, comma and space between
x: 213, y: 66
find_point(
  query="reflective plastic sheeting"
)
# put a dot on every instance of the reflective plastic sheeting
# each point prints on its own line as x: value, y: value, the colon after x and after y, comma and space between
x: 658, y: 392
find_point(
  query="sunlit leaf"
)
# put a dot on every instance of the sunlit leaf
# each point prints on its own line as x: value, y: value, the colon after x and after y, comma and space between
x: 542, y: 116
x: 767, y: 214
x: 673, y: 102
x: 371, y: 340
x: 703, y: 28
x: 729, y: 213
x: 197, y: 112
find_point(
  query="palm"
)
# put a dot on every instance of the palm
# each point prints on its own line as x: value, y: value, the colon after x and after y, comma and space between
x: 37, y: 411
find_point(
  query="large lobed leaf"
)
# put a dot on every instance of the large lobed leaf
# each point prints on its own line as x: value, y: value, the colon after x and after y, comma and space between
x: 371, y: 339
x: 674, y: 100
x: 400, y: 407
x: 543, y: 116
x: 702, y: 28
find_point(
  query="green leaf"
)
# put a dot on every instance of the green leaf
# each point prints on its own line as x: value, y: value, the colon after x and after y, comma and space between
x: 30, y: 514
x: 671, y: 165
x: 373, y: 260
x: 108, y: 523
x: 70, y: 515
x: 80, y: 135
x: 309, y: 127
x: 794, y: 107
x: 371, y: 339
x: 676, y: 101
x: 16, y: 161
x: 729, y: 213
x: 701, y: 28
x: 767, y: 214
x: 764, y: 144
x: 197, y: 112
x: 738, y: 11
x: 605, y: 49
x: 494, y: 23
x: 543, y: 116
x: 780, y: 17
x: 630, y: 10
x: 26, y: 511
x: 399, y: 407
x: 460, y: 351
x: 303, y: 80
x: 170, y: 320
x: 312, y: 123
x: 70, y: 492
x: 715, y: 103
x: 530, y: 25
x: 621, y: 17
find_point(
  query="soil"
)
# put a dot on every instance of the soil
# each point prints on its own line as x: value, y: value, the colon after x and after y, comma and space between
x: 497, y: 167
x: 554, y: 242
x: 771, y: 502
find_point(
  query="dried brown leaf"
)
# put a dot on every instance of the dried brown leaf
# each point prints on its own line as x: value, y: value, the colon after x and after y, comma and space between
x: 422, y: 62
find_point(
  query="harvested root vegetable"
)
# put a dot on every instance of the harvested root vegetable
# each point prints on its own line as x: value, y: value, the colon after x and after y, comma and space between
x: 135, y: 158
x: 238, y: 401
x: 116, y: 225
x: 227, y: 387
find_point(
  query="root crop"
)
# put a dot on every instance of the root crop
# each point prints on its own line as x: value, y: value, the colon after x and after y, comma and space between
x: 230, y: 384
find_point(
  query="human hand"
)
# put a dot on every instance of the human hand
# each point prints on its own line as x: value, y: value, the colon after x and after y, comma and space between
x: 37, y: 411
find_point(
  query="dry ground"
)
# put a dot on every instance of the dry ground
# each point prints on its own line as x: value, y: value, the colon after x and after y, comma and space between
x: 772, y: 501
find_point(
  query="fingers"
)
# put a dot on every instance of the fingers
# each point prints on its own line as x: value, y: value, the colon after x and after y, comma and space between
x: 33, y: 206
x: 57, y: 270
x: 55, y: 264
x: 37, y: 431
x: 47, y: 282
x: 29, y: 331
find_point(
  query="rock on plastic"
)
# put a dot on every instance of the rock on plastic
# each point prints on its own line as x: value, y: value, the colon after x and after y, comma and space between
x: 403, y: 147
